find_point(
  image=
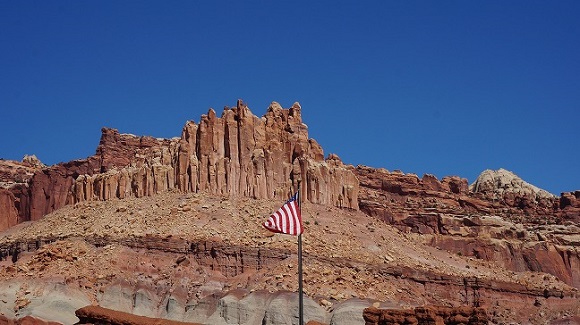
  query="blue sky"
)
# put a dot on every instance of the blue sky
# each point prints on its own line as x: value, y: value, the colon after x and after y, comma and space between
x: 439, y: 87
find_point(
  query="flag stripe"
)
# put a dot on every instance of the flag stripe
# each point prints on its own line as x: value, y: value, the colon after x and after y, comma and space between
x: 287, y: 220
x: 297, y: 222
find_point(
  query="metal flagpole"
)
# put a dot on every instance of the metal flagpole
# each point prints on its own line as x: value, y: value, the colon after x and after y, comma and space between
x: 300, y: 289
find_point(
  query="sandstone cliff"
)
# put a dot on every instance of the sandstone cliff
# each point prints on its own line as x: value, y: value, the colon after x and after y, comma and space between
x: 235, y: 155
x: 502, y: 219
x: 184, y: 201
x: 14, y: 188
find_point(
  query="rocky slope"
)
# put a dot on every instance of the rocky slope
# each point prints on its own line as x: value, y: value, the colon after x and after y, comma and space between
x: 200, y: 258
x: 171, y: 228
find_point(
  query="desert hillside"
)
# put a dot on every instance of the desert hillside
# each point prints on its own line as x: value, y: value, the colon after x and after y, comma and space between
x: 176, y: 249
x: 171, y: 228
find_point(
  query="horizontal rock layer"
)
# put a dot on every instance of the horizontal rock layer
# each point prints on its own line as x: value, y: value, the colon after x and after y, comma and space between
x: 426, y: 315
x: 201, y: 296
x: 521, y: 231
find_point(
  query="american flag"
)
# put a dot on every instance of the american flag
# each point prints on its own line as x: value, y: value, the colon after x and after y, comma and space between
x: 287, y: 220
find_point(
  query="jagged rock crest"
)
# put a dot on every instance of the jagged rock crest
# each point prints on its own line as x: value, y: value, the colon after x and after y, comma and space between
x: 235, y: 155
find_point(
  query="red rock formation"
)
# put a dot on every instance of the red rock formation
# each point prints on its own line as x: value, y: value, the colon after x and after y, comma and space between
x: 26, y: 320
x: 432, y: 315
x: 570, y: 206
x: 242, y: 155
x: 510, y: 229
x: 14, y: 189
x: 393, y: 197
x: 52, y: 188
x: 100, y: 315
x: 235, y: 155
x: 15, y: 172
x: 8, y: 208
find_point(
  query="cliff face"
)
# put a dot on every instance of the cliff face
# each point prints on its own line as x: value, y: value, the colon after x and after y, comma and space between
x: 501, y: 219
x: 235, y: 155
x: 394, y: 195
x: 14, y: 187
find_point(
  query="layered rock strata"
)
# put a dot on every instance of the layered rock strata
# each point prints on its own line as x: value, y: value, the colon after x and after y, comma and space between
x: 392, y: 195
x: 204, y: 258
x: 15, y: 177
x: 235, y: 155
x: 501, y: 219
x: 426, y: 316
x: 98, y: 315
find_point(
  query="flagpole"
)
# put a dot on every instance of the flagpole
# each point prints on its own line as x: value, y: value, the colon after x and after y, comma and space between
x: 300, y: 288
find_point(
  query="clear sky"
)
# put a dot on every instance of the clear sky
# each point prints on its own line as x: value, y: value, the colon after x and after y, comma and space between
x: 438, y: 87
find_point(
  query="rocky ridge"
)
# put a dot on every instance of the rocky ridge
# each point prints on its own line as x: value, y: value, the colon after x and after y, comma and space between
x: 170, y: 228
x: 542, y: 235
x: 235, y: 155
